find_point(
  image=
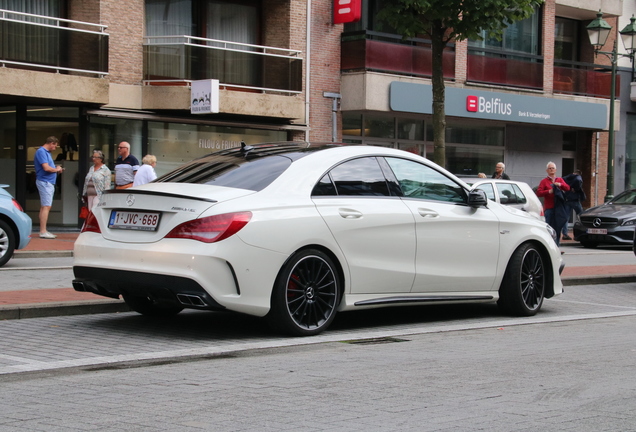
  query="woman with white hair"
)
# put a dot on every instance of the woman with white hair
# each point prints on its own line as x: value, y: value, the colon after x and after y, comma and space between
x: 146, y: 172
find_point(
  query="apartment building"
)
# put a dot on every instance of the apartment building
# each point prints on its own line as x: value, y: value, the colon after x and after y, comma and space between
x: 97, y: 72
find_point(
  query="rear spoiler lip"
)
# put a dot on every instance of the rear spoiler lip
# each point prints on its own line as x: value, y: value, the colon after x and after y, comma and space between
x: 157, y: 193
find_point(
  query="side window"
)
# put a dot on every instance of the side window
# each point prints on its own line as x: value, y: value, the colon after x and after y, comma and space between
x: 490, y: 192
x: 423, y: 182
x: 324, y: 187
x: 521, y: 198
x: 359, y: 177
x: 510, y: 194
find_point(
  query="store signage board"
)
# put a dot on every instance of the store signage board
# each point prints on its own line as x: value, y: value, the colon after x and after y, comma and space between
x: 204, y: 97
x: 485, y: 105
x: 346, y: 11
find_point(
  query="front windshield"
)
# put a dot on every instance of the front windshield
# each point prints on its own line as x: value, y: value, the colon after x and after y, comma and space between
x: 627, y: 197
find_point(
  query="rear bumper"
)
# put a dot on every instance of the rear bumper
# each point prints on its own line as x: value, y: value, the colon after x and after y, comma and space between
x: 164, y: 289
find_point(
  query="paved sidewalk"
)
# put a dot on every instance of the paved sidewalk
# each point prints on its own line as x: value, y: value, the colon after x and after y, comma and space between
x: 66, y: 301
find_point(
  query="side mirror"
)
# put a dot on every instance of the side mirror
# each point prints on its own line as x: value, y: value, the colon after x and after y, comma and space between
x: 477, y: 198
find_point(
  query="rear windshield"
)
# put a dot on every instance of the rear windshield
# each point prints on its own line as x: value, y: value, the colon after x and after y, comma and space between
x: 230, y: 171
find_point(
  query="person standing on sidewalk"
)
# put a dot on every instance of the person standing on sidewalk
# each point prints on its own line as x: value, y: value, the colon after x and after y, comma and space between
x: 146, y: 173
x: 45, y: 178
x: 551, y: 189
x: 573, y: 198
x: 500, y: 172
x: 126, y: 166
x: 97, y: 180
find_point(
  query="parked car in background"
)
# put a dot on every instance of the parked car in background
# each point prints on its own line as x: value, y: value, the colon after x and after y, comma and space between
x: 512, y: 193
x: 298, y: 232
x: 610, y: 223
x: 15, y: 226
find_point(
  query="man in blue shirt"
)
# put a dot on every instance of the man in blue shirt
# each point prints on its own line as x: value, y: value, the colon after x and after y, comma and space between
x: 45, y: 178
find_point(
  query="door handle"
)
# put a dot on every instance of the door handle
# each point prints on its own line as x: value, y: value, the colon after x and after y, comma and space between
x: 349, y: 213
x: 428, y: 213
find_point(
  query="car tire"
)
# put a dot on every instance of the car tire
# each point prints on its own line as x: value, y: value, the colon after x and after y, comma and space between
x: 7, y: 242
x: 588, y: 244
x: 524, y: 284
x: 147, y: 307
x: 306, y: 294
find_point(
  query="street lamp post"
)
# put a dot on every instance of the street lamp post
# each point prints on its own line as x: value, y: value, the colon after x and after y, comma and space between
x: 598, y: 31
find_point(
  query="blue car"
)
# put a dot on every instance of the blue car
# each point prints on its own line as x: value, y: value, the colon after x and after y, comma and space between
x: 15, y: 226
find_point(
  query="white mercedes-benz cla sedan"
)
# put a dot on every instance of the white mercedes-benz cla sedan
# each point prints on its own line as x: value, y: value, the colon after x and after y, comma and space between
x: 297, y: 232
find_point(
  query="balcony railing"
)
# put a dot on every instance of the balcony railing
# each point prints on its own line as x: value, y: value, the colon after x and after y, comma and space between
x: 39, y: 42
x: 182, y: 59
x: 382, y: 52
x: 584, y: 79
x: 505, y: 68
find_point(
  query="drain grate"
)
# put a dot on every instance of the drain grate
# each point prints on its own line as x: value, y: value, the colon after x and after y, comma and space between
x: 375, y: 341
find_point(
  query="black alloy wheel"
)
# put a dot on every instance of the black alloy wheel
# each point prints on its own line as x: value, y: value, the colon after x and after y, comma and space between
x: 306, y: 294
x: 524, y: 284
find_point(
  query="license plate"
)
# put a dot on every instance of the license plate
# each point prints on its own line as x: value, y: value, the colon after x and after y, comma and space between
x: 596, y: 231
x: 141, y: 221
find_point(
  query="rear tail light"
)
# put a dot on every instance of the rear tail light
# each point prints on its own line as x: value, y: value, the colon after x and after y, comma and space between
x: 17, y: 204
x: 212, y: 228
x: 90, y: 224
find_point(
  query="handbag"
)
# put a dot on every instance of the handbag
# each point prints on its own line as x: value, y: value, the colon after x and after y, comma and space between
x: 83, y: 212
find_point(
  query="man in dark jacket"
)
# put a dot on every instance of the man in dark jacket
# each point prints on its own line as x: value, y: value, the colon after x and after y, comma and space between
x: 500, y: 172
x: 573, y: 198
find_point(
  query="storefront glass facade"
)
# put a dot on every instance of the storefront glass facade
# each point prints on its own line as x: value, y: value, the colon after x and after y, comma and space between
x: 470, y: 148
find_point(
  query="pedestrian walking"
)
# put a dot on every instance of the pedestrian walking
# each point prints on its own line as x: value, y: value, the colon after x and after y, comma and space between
x: 573, y: 198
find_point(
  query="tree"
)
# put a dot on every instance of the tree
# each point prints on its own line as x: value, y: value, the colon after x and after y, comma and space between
x: 446, y: 20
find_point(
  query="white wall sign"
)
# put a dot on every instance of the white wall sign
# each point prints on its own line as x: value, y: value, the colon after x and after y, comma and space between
x: 204, y: 96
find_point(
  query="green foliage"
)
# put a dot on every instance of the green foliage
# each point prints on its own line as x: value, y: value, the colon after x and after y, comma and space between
x: 459, y: 19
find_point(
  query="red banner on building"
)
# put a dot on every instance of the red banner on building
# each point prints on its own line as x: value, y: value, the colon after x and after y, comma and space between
x: 345, y: 11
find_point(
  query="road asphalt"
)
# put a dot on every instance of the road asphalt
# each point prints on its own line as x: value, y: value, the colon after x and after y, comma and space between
x: 583, y: 267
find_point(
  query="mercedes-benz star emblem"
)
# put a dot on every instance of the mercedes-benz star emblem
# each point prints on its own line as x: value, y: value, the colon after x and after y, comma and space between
x: 130, y: 200
x: 596, y: 222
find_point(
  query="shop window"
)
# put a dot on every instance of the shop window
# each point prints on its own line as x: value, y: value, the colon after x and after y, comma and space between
x: 481, y: 135
x: 379, y: 127
x: 471, y: 160
x: 352, y: 124
x: 569, y: 141
x: 176, y: 143
x: 8, y: 148
x: 410, y: 129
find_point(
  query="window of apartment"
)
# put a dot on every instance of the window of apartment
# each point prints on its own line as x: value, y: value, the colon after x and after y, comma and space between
x: 521, y: 36
x: 369, y: 20
x: 566, y: 39
x: 233, y: 21
x: 219, y: 23
x: 32, y: 40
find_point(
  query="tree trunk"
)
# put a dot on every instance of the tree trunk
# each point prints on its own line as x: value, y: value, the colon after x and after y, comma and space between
x: 439, y: 115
